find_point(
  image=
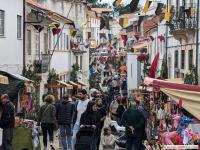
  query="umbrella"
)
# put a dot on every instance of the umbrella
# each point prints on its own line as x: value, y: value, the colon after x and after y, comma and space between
x: 123, y: 68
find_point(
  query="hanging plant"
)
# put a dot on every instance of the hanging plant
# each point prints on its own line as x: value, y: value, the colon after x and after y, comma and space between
x: 143, y: 57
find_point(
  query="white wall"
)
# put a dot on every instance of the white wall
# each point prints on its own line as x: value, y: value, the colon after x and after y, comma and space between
x: 11, y: 48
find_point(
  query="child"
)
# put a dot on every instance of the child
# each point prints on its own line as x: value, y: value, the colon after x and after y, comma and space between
x: 108, y: 140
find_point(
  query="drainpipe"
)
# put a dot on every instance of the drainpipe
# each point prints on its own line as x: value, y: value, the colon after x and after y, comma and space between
x: 24, y: 36
x: 197, y: 41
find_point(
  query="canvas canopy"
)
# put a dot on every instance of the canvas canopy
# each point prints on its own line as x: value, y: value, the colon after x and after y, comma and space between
x: 189, y: 94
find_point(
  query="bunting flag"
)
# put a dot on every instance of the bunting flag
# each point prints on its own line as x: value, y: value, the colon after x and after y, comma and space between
x: 124, y: 39
x: 153, y: 68
x: 73, y: 32
x: 103, y: 35
x: 161, y: 38
x: 134, y: 5
x: 125, y: 22
x: 108, y: 45
x: 146, y: 6
x: 150, y: 38
x: 116, y: 3
x: 110, y: 37
x: 55, y: 28
x: 39, y: 28
x: 87, y: 45
x: 167, y: 16
x: 135, y: 50
x: 56, y: 31
x: 141, y: 18
x: 159, y: 9
x: 104, y: 23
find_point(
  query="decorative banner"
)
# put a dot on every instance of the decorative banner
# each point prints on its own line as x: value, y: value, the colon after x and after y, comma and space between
x: 167, y: 16
x: 55, y: 28
x: 124, y: 39
x: 125, y: 22
x: 56, y: 31
x: 146, y: 6
x: 39, y: 28
x: 73, y: 32
x: 161, y: 38
x: 134, y: 5
x: 54, y: 25
x: 116, y: 3
x: 159, y: 9
x: 150, y: 37
x: 153, y: 68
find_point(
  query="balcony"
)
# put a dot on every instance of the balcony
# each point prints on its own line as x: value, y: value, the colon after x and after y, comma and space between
x: 182, y: 24
x: 41, y: 65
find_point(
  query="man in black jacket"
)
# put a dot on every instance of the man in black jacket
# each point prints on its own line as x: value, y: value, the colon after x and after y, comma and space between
x: 7, y: 121
x: 64, y: 113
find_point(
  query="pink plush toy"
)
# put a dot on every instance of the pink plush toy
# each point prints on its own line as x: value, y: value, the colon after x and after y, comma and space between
x: 167, y: 137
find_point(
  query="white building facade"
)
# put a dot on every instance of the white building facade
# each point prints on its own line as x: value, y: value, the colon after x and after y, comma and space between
x: 11, y: 36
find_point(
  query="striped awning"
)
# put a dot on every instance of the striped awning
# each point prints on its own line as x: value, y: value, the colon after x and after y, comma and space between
x: 4, y: 80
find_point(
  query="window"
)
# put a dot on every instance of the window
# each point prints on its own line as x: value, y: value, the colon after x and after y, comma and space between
x: 77, y: 60
x: 29, y: 42
x: 176, y: 59
x: 2, y: 23
x: 19, y: 27
x: 81, y: 61
x: 45, y: 43
x: 182, y: 59
x: 190, y: 58
x: 37, y: 44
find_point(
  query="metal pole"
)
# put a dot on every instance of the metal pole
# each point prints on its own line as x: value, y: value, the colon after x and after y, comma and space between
x: 197, y: 41
x: 166, y: 42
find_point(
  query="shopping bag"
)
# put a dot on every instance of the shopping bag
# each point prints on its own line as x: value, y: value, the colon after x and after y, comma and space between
x: 1, y: 136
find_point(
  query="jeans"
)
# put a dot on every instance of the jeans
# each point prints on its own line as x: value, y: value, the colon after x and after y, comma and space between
x: 133, y: 143
x: 66, y: 132
x: 7, y: 138
x: 75, y: 131
x: 47, y: 128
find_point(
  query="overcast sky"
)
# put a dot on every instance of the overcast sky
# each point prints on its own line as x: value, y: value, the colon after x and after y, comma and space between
x: 126, y: 1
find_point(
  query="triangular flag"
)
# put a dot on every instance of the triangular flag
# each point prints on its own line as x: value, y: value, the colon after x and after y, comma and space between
x: 159, y: 9
x: 102, y: 23
x: 125, y: 22
x: 103, y: 35
x: 137, y: 37
x: 134, y: 5
x: 167, y: 16
x: 56, y: 31
x: 141, y: 18
x: 54, y: 25
x: 161, y: 38
x: 124, y: 39
x: 39, y: 28
x: 150, y: 38
x: 146, y: 6
x: 153, y: 68
x: 73, y: 32
x: 135, y: 50
x: 117, y: 3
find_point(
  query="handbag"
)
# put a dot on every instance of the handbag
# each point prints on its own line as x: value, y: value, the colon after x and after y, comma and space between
x: 121, y: 141
x: 55, y: 125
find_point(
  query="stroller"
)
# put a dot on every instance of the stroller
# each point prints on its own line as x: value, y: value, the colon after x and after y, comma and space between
x: 85, y: 139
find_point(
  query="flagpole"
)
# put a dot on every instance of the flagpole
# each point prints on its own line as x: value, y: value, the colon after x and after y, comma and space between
x: 166, y: 42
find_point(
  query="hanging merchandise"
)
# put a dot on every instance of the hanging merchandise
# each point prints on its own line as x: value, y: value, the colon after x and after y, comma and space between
x: 124, y: 39
x: 146, y: 6
x: 134, y: 5
x: 159, y: 9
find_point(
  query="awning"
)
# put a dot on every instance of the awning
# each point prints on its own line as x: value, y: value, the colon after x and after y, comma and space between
x: 74, y: 84
x: 140, y: 45
x: 82, y: 83
x: 176, y: 80
x: 4, y: 80
x: 59, y: 84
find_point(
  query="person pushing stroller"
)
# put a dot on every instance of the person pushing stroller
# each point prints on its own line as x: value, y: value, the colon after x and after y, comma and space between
x: 89, y: 122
